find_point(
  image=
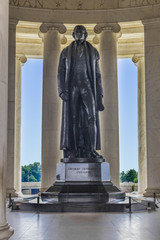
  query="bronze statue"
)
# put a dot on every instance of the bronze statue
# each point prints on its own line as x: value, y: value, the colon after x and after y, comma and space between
x: 79, y: 86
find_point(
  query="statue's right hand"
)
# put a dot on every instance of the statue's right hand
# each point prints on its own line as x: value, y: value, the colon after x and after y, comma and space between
x: 64, y: 96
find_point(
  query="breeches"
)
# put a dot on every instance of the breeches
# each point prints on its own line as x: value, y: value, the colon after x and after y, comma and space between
x: 83, y: 95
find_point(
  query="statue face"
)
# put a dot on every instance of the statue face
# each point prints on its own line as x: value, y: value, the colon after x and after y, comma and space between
x: 79, y: 34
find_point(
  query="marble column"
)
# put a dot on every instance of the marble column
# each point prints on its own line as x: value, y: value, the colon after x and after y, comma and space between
x: 5, y: 230
x: 138, y: 59
x: 152, y: 79
x: 20, y: 60
x: 51, y: 110
x: 11, y: 107
x: 109, y: 117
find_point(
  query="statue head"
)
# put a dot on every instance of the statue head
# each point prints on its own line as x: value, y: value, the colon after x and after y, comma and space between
x: 79, y: 33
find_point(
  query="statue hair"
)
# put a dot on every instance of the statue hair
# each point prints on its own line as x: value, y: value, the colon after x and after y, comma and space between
x: 81, y: 27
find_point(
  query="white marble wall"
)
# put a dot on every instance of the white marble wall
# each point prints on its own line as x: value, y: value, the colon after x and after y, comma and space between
x: 152, y: 77
x: 5, y: 230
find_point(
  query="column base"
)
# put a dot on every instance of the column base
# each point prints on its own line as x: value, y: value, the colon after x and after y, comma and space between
x: 6, y: 232
x: 12, y: 191
x: 43, y: 189
x: 19, y: 194
x: 149, y: 192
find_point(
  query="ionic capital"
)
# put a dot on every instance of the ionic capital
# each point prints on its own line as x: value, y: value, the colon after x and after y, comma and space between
x: 137, y: 58
x: 115, y: 27
x: 22, y: 58
x: 53, y: 26
x: 96, y: 40
x: 63, y: 40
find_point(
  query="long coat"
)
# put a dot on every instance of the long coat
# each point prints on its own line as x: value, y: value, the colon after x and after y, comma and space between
x: 64, y: 79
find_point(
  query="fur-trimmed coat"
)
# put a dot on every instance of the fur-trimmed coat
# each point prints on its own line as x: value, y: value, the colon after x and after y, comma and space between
x: 64, y: 79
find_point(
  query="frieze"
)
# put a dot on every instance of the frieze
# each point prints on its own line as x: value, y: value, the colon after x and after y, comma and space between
x: 137, y: 3
x: 82, y: 4
x: 27, y: 3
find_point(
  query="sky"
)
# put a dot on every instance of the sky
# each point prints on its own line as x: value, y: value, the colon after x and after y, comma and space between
x: 32, y: 74
x: 31, y: 115
x: 128, y: 122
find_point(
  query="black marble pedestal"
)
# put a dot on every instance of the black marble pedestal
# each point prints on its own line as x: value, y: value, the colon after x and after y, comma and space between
x: 82, y: 180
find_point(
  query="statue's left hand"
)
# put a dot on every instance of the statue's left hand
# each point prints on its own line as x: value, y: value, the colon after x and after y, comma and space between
x: 100, y: 106
x: 64, y: 96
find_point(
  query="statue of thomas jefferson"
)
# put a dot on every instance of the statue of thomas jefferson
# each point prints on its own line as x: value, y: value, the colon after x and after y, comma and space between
x: 80, y: 88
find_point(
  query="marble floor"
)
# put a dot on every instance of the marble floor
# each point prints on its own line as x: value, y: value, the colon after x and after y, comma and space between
x: 85, y: 226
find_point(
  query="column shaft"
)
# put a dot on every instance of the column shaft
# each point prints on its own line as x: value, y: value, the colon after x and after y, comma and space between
x: 51, y: 109
x: 11, y: 107
x: 109, y: 117
x: 5, y: 230
x: 20, y: 60
x: 152, y: 75
x: 142, y: 151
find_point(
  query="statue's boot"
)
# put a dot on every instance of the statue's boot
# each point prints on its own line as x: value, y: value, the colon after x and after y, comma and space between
x: 95, y: 154
x: 73, y: 154
x: 66, y: 153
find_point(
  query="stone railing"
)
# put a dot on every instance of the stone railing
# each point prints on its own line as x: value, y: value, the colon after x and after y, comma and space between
x: 31, y: 184
x: 29, y: 188
x: 127, y: 187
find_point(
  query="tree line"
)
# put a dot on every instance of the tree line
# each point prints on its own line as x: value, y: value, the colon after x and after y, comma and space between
x: 129, y: 176
x: 32, y: 173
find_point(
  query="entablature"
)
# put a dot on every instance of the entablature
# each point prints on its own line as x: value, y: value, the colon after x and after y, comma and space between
x: 82, y: 4
x: 29, y: 40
